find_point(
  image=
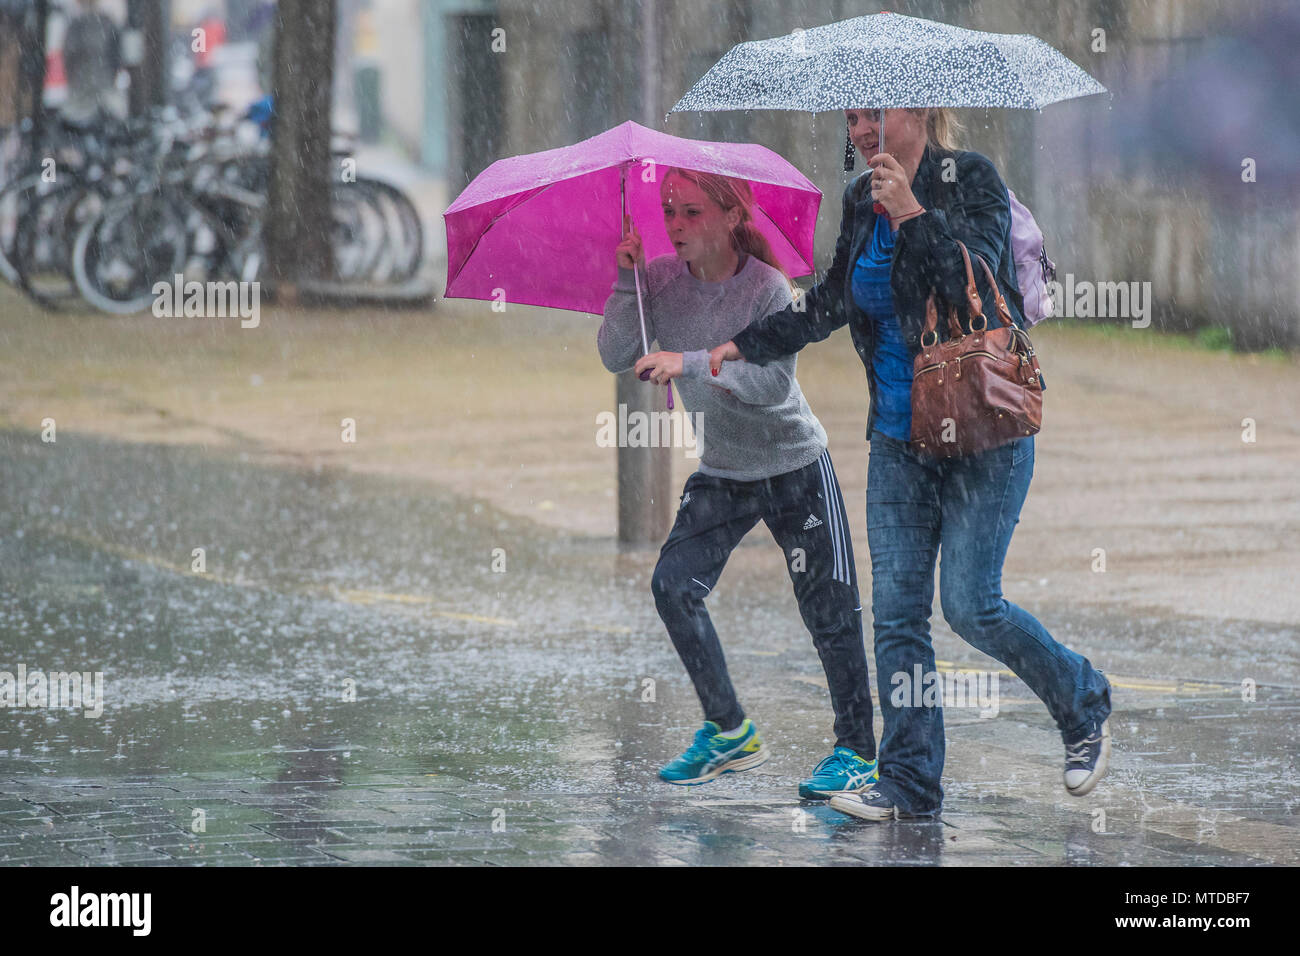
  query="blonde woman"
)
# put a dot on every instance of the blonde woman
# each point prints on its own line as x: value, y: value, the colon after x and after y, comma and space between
x: 884, y: 269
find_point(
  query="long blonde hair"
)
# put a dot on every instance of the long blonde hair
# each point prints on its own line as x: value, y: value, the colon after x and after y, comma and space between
x: 731, y: 193
x: 942, y: 129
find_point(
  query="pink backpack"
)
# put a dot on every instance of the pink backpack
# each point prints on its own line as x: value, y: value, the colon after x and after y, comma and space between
x: 1033, y: 269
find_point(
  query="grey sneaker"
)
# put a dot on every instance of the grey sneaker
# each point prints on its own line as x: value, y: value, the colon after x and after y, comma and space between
x: 1086, y: 761
x: 874, y: 805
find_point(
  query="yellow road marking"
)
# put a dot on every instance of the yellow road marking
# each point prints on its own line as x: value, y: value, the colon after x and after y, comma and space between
x: 1154, y: 685
x: 364, y: 597
x: 348, y: 596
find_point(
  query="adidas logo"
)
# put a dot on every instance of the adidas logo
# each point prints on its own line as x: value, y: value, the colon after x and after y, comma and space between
x: 812, y: 522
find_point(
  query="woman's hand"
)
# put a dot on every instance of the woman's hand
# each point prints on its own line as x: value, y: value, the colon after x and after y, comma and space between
x: 726, y: 352
x: 629, y: 250
x: 663, y: 366
x: 890, y: 186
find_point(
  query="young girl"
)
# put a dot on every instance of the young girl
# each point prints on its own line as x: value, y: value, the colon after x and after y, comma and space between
x: 763, y: 457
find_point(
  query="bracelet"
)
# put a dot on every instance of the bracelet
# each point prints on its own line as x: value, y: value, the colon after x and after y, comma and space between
x: 910, y: 215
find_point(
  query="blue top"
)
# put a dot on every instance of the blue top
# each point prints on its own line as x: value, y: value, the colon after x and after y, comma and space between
x: 892, y: 362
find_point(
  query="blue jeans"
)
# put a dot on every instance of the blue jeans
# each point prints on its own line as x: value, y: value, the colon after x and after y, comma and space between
x: 966, y: 507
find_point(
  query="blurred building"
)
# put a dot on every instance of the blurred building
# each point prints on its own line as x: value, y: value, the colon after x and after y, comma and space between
x: 453, y: 85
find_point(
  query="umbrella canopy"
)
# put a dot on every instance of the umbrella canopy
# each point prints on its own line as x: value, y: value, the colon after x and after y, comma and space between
x: 542, y: 227
x: 889, y: 61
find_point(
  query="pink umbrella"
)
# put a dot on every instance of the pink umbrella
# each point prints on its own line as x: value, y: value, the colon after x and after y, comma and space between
x: 541, y: 229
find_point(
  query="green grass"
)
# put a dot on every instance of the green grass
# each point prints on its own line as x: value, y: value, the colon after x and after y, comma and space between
x: 1214, y: 338
x: 1217, y: 338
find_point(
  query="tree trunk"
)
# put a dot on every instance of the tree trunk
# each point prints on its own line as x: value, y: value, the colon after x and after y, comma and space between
x: 149, y: 76
x: 32, y: 79
x: 298, y: 224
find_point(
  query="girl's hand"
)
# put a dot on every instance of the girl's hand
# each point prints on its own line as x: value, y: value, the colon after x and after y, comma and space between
x: 629, y: 250
x: 726, y: 352
x: 663, y: 366
x: 890, y: 186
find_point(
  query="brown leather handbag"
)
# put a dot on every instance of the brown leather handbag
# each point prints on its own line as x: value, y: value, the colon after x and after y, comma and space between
x: 975, y: 390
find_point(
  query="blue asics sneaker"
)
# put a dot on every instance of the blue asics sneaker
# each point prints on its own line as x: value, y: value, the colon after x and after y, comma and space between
x: 842, y: 772
x: 712, y: 755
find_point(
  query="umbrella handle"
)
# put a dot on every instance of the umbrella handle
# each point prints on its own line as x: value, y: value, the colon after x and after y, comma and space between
x: 645, y: 377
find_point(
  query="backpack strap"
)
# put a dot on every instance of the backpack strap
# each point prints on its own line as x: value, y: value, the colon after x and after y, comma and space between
x: 943, y: 194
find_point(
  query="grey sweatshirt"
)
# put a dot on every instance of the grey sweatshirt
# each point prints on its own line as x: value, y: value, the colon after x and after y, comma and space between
x: 756, y: 422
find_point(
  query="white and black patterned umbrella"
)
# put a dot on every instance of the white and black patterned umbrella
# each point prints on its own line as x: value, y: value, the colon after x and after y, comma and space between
x: 888, y: 61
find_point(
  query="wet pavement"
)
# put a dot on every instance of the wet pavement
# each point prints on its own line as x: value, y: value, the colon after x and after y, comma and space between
x: 350, y: 680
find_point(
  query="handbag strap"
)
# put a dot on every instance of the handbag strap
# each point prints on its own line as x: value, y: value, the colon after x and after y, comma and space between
x: 972, y: 293
x: 972, y: 296
x: 1004, y: 314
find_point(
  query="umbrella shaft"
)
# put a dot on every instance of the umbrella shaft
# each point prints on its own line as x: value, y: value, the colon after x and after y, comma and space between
x: 636, y: 272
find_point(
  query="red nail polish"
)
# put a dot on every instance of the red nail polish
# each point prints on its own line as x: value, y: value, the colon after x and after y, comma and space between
x: 714, y: 371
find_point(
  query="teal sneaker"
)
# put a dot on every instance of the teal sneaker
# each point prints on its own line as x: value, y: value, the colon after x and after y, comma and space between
x: 712, y: 755
x: 842, y: 772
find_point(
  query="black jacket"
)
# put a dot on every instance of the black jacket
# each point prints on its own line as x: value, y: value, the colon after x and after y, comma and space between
x: 974, y: 208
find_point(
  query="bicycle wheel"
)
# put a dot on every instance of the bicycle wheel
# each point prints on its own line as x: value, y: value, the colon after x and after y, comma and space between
x: 404, y: 233
x: 358, y: 233
x: 135, y: 242
x: 42, y: 252
x: 37, y: 220
x: 11, y: 197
